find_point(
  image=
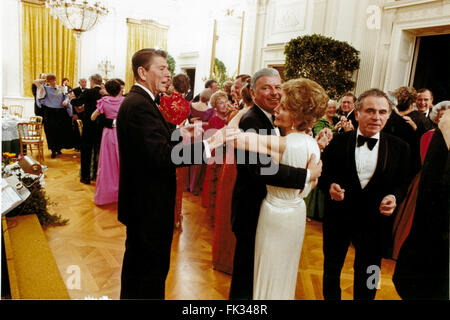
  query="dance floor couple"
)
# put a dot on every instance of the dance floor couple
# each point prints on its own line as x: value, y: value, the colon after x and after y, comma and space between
x: 268, y: 210
x: 146, y: 201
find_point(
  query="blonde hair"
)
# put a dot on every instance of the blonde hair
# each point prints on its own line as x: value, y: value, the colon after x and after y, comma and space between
x: 226, y: 86
x: 216, y: 96
x: 306, y: 100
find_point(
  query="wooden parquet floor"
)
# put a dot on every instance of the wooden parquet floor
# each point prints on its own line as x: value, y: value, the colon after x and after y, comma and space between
x: 91, y: 245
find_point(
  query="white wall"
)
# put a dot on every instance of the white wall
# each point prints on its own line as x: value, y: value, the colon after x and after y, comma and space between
x: 268, y: 26
x: 189, y: 40
x: 12, y: 87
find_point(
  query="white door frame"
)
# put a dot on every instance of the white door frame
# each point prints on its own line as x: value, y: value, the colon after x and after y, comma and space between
x: 396, y: 73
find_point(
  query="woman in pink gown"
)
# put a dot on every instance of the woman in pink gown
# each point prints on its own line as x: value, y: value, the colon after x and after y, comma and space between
x: 107, y: 184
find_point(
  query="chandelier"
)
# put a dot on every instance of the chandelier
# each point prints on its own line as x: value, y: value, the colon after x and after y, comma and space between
x: 77, y: 15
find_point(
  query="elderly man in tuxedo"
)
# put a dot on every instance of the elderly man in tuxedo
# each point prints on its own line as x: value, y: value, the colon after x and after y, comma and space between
x: 85, y: 105
x: 365, y: 176
x: 149, y: 152
x: 252, y: 178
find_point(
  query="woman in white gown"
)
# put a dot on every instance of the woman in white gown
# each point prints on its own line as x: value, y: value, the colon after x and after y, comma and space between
x: 282, y: 219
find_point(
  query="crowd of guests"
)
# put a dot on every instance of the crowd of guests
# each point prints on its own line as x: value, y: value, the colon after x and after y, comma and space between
x: 412, y: 118
x: 83, y: 119
x: 377, y: 158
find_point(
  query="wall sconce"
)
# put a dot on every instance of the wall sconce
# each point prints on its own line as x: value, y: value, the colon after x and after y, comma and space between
x: 106, y: 68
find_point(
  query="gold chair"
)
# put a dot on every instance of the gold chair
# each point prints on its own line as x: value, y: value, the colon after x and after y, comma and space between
x: 5, y: 110
x: 16, y: 110
x: 80, y: 126
x: 37, y: 119
x: 30, y: 134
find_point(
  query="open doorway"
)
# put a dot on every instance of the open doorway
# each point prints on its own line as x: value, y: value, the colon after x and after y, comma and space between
x: 432, y: 68
x: 280, y: 69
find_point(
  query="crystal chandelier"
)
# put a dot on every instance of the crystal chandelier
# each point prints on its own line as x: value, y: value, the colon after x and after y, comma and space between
x: 78, y: 15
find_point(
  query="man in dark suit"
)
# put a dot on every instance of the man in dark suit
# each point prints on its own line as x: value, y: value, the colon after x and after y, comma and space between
x: 424, y: 104
x: 251, y: 180
x: 79, y: 90
x: 149, y: 152
x: 91, y: 136
x: 77, y: 93
x: 347, y: 113
x: 365, y: 175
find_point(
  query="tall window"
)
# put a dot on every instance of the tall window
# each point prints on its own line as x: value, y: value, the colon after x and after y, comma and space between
x: 47, y: 46
x: 143, y: 34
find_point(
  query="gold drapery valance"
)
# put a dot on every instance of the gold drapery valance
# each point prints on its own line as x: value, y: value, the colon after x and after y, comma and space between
x: 47, y: 46
x: 143, y: 34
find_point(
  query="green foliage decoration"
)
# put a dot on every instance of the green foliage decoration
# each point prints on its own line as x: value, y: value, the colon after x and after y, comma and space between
x: 171, y: 62
x: 329, y: 62
x: 220, y: 72
x: 37, y: 204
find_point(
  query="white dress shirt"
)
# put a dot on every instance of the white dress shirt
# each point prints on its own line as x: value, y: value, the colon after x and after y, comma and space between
x: 366, y: 160
x: 207, y: 149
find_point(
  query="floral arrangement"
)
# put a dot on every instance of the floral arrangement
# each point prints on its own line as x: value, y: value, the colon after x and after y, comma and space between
x: 9, y: 158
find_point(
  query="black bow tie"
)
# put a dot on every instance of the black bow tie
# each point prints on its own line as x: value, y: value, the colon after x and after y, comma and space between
x: 371, y: 142
x: 158, y: 99
x: 273, y: 118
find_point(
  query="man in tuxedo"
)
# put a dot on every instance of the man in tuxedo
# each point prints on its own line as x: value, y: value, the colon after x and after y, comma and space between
x: 424, y: 104
x: 91, y: 136
x: 251, y: 180
x: 347, y: 113
x: 365, y: 175
x: 79, y: 90
x: 77, y: 93
x: 149, y: 152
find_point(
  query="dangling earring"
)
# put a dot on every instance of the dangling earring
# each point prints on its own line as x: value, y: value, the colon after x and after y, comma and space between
x: 293, y: 127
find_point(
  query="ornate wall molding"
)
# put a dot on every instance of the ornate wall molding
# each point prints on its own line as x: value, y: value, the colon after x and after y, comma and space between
x: 286, y: 19
x: 403, y: 4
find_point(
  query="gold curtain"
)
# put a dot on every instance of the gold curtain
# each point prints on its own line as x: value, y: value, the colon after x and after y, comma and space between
x: 47, y: 47
x: 142, y: 34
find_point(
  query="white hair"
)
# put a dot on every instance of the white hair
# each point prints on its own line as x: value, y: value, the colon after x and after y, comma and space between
x: 443, y: 105
x: 265, y: 72
x: 331, y: 101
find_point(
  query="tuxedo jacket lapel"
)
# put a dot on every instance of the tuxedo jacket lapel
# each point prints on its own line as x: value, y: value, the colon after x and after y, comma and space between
x: 263, y: 118
x: 351, y: 162
x: 382, y: 157
x: 154, y: 106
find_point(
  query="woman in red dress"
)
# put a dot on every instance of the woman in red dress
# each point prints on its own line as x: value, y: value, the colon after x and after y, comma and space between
x: 219, y: 101
x: 224, y: 241
x: 175, y: 109
x: 200, y: 112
